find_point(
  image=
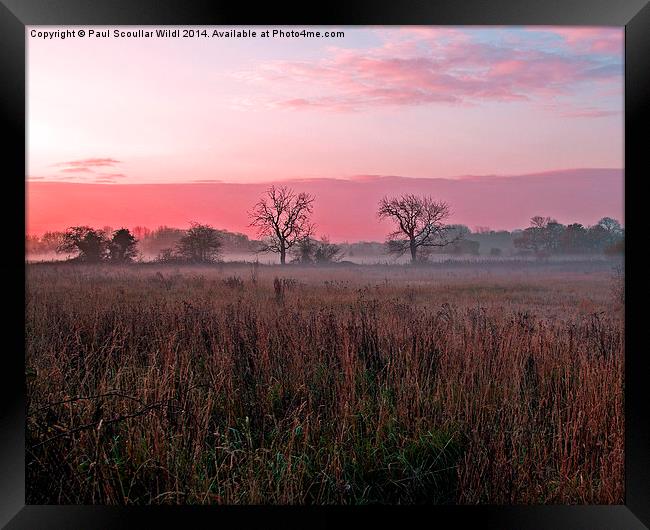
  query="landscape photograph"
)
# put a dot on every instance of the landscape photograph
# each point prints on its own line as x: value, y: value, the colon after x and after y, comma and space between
x: 325, y: 266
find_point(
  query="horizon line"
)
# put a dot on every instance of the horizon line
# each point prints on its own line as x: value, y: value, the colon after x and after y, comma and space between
x: 118, y: 226
x: 351, y: 178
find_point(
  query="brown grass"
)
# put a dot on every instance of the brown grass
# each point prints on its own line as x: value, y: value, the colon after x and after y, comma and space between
x: 240, y: 384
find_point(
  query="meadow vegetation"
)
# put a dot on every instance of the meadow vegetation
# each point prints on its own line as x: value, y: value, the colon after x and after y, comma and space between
x: 239, y: 383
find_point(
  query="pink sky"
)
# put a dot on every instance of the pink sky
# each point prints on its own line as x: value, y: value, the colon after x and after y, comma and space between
x: 414, y: 102
x: 346, y: 209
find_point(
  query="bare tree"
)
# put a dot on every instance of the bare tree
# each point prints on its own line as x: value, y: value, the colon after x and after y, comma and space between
x: 304, y: 250
x: 420, y: 223
x: 282, y: 218
x: 309, y: 250
x: 89, y: 244
x: 613, y: 230
x: 540, y: 222
x: 539, y: 236
x: 327, y: 252
x: 122, y: 246
x: 200, y: 244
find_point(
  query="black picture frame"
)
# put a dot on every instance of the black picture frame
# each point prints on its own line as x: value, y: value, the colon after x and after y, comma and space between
x: 16, y: 14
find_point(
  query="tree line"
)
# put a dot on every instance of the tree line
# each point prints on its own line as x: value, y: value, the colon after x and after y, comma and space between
x: 282, y: 219
x: 545, y: 236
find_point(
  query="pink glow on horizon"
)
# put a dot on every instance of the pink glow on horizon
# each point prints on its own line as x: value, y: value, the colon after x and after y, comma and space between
x: 344, y: 209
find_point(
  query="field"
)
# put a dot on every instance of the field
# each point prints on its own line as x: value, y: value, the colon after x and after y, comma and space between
x: 494, y: 382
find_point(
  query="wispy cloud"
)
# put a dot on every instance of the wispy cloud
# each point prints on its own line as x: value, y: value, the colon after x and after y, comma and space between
x: 418, y: 66
x: 74, y: 178
x: 86, y: 165
x: 590, y: 113
x: 88, y: 170
x: 90, y: 162
x: 111, y: 175
x: 105, y: 181
x: 108, y: 178
x: 591, y: 40
x: 79, y: 169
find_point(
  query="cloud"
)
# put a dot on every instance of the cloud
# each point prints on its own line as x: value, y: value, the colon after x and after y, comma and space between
x: 418, y: 66
x: 591, y: 40
x: 590, y: 113
x: 90, y: 162
x: 111, y: 175
x: 107, y: 178
x: 576, y: 109
x: 70, y: 177
x: 104, y: 181
x: 76, y: 170
x: 86, y: 168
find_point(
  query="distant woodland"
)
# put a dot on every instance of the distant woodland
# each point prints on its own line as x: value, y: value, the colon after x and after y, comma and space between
x: 606, y: 237
x: 282, y: 219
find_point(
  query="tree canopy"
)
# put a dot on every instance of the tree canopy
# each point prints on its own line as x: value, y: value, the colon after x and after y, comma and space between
x: 122, y: 246
x: 419, y: 223
x: 88, y: 244
x: 282, y: 218
x: 200, y: 244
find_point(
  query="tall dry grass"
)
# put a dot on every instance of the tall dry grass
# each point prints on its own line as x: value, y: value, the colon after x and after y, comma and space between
x: 267, y: 385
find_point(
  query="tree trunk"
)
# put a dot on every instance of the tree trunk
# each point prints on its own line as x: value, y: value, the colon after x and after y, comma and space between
x: 414, y: 252
x: 283, y: 254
